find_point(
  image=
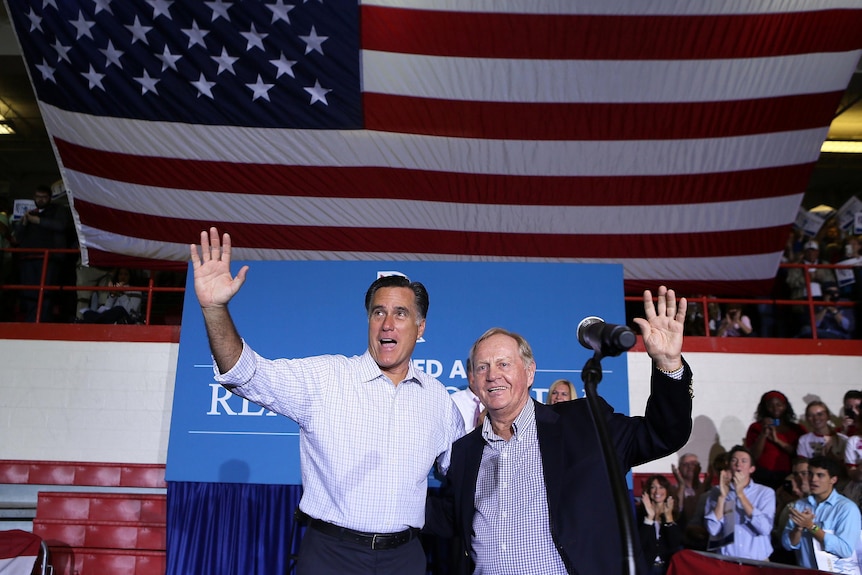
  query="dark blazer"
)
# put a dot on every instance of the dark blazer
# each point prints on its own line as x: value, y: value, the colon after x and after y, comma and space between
x: 668, y: 542
x: 582, y: 514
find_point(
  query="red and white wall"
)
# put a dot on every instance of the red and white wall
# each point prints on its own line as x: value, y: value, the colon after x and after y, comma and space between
x: 110, y: 401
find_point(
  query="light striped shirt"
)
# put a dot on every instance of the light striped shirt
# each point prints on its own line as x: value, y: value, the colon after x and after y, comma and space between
x: 511, y: 526
x: 366, y: 445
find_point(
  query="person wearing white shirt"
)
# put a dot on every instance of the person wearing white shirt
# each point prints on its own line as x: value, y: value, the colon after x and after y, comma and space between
x: 390, y: 425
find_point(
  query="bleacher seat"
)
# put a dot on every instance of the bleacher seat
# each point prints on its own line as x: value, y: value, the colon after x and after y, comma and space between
x: 118, y: 531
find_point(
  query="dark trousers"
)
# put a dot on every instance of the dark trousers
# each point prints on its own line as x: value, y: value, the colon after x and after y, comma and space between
x: 30, y: 271
x: 321, y: 554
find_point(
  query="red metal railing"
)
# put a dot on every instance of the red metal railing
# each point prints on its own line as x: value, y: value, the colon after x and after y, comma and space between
x: 150, y: 289
x: 809, y: 302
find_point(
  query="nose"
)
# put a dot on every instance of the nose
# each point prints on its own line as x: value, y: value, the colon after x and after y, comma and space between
x: 388, y: 323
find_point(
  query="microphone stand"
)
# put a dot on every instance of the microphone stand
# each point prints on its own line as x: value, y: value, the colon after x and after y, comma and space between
x: 591, y: 376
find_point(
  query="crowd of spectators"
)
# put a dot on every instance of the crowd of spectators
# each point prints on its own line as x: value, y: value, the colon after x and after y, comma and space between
x: 790, y: 493
x: 837, y: 291
x: 84, y: 293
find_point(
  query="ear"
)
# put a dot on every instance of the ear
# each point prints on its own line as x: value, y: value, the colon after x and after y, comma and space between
x: 833, y: 479
x: 421, y: 329
x: 531, y: 374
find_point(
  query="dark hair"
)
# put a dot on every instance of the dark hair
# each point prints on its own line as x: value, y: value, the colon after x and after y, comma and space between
x: 662, y: 480
x: 44, y: 189
x: 419, y: 292
x: 741, y: 449
x: 788, y: 417
x: 832, y: 467
x: 853, y: 394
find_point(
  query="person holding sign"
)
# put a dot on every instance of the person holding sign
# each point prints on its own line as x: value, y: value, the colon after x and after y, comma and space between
x: 371, y: 426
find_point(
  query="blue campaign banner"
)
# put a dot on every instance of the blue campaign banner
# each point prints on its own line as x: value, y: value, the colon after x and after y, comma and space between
x: 298, y: 309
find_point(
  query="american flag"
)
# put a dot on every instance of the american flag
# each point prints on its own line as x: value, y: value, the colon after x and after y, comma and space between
x: 673, y: 137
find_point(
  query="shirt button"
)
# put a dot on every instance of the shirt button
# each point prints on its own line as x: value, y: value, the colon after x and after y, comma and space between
x: 502, y: 547
x: 504, y: 484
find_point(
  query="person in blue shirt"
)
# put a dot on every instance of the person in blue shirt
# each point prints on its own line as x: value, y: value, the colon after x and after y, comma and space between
x: 739, y: 513
x: 824, y: 521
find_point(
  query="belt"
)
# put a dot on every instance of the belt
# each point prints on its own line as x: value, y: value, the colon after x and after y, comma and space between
x: 372, y: 540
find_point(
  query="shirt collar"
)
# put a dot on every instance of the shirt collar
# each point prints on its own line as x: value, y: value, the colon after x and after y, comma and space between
x: 525, y: 421
x: 830, y: 500
x: 369, y: 370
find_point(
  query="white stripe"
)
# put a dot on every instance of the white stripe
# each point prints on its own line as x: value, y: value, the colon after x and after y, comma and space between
x: 732, y: 268
x: 398, y: 214
x: 363, y: 148
x: 603, y: 81
x: 622, y: 7
x: 21, y: 565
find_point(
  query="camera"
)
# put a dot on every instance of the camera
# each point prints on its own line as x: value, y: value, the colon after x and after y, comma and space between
x: 848, y: 412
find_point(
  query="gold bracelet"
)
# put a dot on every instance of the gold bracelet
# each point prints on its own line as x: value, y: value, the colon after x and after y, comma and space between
x: 671, y: 371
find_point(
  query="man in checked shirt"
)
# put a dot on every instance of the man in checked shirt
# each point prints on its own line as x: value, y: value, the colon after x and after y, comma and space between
x: 527, y: 492
x: 365, y: 458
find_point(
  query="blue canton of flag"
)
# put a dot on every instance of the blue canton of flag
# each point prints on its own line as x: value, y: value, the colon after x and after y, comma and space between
x: 241, y: 63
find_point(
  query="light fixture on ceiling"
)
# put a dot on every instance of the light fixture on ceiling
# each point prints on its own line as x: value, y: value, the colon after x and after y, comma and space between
x: 842, y: 147
x: 6, y: 126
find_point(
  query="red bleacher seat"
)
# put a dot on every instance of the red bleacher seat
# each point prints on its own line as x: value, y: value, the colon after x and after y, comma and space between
x: 82, y: 473
x: 108, y: 561
x: 106, y: 476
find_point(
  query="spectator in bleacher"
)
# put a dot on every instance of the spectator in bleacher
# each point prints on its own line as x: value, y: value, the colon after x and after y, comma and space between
x: 90, y: 276
x: 660, y: 535
x: 796, y: 281
x: 561, y: 390
x: 773, y: 438
x: 121, y: 306
x: 821, y: 439
x: 795, y: 488
x: 853, y: 461
x: 695, y: 535
x: 688, y: 485
x: 740, y: 512
x: 852, y: 407
x: 734, y: 323
x: 831, y: 242
x: 46, y: 226
x: 824, y: 528
x: 832, y: 321
x: 696, y: 323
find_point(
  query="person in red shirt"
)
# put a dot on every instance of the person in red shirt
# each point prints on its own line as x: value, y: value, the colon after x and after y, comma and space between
x: 773, y: 438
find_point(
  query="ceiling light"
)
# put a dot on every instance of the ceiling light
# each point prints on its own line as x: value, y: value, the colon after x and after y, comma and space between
x: 842, y: 147
x: 6, y: 126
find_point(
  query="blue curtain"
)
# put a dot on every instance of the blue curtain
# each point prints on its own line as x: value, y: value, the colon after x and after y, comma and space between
x: 224, y: 528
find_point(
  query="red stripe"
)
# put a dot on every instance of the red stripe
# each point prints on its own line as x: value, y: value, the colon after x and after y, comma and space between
x: 426, y: 241
x: 529, y: 121
x: 586, y: 37
x: 390, y: 183
x: 737, y: 288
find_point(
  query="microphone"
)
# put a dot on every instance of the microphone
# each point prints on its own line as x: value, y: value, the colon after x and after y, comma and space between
x: 607, y: 339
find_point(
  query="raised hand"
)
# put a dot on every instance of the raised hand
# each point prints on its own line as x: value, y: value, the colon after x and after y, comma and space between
x: 662, y: 329
x: 668, y: 509
x: 648, y: 506
x: 214, y: 284
x: 676, y: 474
